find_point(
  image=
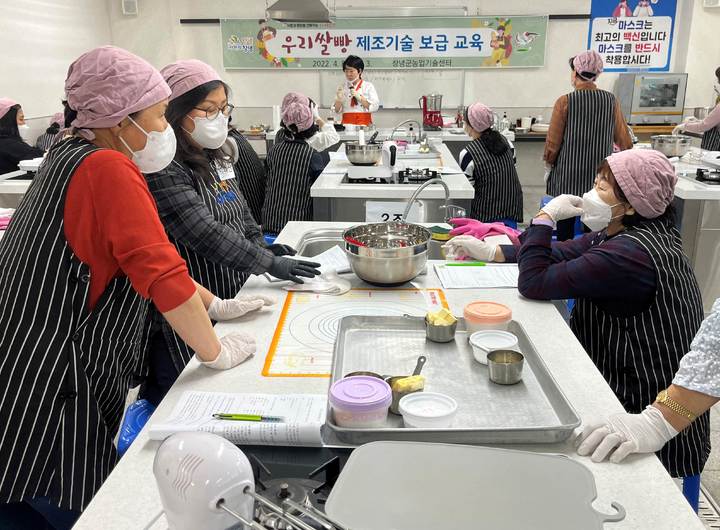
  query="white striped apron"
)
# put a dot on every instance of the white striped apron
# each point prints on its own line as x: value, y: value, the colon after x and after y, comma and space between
x: 250, y: 173
x: 287, y: 197
x: 498, y: 194
x: 587, y: 141
x: 65, y: 371
x: 711, y: 139
x: 639, y: 355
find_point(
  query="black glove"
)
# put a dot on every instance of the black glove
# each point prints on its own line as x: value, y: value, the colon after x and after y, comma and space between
x: 282, y: 250
x: 290, y: 269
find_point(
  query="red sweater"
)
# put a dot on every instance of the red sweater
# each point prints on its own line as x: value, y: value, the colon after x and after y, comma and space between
x: 111, y: 223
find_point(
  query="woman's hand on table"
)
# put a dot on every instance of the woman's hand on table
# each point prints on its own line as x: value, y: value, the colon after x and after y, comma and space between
x: 236, y: 307
x: 562, y: 207
x: 235, y: 348
x: 623, y: 434
x: 472, y: 247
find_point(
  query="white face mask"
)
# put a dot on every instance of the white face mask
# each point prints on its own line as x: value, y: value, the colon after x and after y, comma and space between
x: 158, y: 152
x: 597, y: 214
x: 210, y: 134
x: 24, y: 131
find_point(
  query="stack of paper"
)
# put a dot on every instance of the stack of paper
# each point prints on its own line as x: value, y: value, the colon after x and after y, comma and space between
x: 303, y: 414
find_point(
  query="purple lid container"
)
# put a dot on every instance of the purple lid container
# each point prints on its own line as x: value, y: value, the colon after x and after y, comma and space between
x: 360, y: 393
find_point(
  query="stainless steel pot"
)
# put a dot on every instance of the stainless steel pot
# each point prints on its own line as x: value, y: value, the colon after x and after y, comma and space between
x: 363, y: 155
x: 388, y: 253
x: 701, y: 112
x: 671, y: 145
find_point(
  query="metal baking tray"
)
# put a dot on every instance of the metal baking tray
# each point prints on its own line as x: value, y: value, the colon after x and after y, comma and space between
x: 532, y: 411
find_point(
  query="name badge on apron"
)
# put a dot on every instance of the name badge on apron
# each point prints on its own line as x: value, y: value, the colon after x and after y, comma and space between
x: 225, y: 171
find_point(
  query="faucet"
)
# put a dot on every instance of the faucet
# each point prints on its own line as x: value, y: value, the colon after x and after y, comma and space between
x: 457, y: 211
x: 411, y: 137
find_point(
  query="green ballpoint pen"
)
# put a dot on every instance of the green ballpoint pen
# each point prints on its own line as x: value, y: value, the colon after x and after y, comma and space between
x: 248, y: 417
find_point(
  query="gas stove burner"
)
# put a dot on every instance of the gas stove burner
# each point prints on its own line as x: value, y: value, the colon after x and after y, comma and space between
x: 711, y: 178
x: 299, y: 490
x: 417, y: 175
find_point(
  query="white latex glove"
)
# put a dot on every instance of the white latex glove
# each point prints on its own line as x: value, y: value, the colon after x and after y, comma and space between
x: 679, y: 129
x: 236, y: 307
x: 546, y: 176
x: 234, y: 349
x: 340, y: 93
x: 315, y: 112
x: 563, y: 207
x: 469, y: 246
x: 625, y: 433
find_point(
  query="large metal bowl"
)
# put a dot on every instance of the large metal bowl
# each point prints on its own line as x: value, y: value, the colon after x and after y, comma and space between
x: 671, y: 145
x: 363, y: 155
x: 388, y: 253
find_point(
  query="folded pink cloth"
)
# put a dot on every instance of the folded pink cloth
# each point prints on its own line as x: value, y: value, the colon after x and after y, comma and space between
x: 480, y: 230
x: 4, y: 222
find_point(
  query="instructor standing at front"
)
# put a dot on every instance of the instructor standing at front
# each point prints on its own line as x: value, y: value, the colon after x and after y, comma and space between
x: 356, y: 99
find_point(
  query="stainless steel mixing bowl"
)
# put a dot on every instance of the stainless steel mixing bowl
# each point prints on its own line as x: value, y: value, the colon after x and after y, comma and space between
x: 671, y: 145
x: 387, y: 253
x: 363, y: 155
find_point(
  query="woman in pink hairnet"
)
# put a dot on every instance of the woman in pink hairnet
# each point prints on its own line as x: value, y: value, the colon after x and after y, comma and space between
x: 293, y: 166
x: 489, y: 163
x: 202, y: 206
x: 583, y: 127
x: 82, y: 258
x: 13, y: 147
x: 638, y: 304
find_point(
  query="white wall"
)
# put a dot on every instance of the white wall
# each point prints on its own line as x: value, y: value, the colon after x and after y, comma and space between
x: 39, y: 39
x: 158, y: 36
x: 60, y: 31
x: 703, y: 56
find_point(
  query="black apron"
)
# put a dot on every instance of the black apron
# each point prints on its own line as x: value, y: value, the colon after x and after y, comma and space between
x: 287, y: 197
x: 226, y: 203
x: 639, y: 355
x: 251, y: 175
x: 65, y: 371
x: 711, y: 139
x: 498, y: 194
x: 587, y: 141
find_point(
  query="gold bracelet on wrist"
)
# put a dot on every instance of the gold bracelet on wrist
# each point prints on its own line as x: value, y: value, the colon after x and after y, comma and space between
x: 664, y: 399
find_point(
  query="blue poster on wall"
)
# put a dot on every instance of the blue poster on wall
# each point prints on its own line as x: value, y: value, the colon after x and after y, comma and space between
x: 633, y: 35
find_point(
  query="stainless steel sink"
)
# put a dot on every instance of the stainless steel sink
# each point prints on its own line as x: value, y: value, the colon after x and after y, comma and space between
x: 314, y: 242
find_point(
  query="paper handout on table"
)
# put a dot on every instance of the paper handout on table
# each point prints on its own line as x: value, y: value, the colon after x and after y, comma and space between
x: 487, y: 277
x: 304, y: 415
x: 332, y: 259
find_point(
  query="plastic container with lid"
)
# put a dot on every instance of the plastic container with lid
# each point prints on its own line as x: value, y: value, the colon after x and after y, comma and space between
x: 428, y: 410
x: 486, y: 315
x: 487, y: 340
x: 360, y: 402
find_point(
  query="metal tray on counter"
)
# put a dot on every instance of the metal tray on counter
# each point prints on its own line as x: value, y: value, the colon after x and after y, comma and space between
x: 532, y: 411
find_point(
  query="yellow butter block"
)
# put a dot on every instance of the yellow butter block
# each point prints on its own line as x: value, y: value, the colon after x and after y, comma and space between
x: 411, y: 383
x: 442, y: 317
